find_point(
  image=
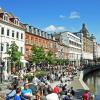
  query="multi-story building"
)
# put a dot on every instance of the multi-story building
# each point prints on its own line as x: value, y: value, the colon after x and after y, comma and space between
x: 89, y: 45
x: 73, y: 43
x: 35, y: 36
x: 11, y: 29
x: 98, y: 50
x: 61, y: 50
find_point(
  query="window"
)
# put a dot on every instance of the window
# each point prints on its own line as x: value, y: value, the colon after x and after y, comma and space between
x: 45, y: 34
x: 21, y: 49
x: 34, y: 31
x: 27, y: 28
x: 42, y: 33
x: 7, y: 32
x: 2, y: 47
x: 16, y: 22
x: 7, y: 47
x: 2, y: 31
x: 5, y: 17
x: 12, y: 33
x: 21, y: 35
x: 38, y: 32
x: 17, y: 35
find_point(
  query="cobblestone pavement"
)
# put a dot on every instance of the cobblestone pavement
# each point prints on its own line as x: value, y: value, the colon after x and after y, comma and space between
x: 4, y: 90
x: 76, y: 85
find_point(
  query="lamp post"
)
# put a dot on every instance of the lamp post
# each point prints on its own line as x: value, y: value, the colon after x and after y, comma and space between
x: 1, y: 63
x: 61, y: 56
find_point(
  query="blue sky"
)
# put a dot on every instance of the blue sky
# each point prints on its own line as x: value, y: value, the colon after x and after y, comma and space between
x: 57, y: 15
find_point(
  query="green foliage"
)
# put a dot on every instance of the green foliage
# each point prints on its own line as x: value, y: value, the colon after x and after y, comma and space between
x: 29, y: 76
x: 62, y: 61
x: 14, y: 54
x: 38, y: 55
x: 40, y: 73
x: 50, y: 58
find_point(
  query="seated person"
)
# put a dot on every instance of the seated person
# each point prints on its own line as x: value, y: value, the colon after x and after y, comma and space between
x: 12, y: 93
x: 26, y: 92
x: 17, y: 96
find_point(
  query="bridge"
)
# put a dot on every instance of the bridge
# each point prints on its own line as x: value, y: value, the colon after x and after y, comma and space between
x: 90, y: 68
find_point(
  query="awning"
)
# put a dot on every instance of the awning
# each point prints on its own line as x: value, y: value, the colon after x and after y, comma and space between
x: 24, y: 61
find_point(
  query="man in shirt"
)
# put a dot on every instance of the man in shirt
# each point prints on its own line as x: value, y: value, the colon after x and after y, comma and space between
x: 52, y: 96
x: 26, y: 92
x: 85, y: 95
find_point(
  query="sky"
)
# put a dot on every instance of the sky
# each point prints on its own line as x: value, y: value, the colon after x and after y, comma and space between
x: 57, y: 15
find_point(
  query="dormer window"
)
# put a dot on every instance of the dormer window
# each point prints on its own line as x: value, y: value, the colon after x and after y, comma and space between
x: 16, y: 21
x: 27, y: 28
x: 5, y: 17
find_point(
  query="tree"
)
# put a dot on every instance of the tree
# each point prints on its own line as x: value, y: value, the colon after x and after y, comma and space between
x: 62, y: 61
x: 50, y: 57
x: 38, y: 55
x: 14, y: 54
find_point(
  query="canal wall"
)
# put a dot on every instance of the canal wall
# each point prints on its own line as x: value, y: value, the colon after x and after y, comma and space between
x: 85, y: 72
x: 90, y: 69
x: 82, y: 82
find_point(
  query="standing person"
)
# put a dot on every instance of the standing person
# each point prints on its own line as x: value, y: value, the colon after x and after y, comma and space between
x: 85, y: 95
x: 45, y: 89
x: 15, y: 82
x: 35, y: 80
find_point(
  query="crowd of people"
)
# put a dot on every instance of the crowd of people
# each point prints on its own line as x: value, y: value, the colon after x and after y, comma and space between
x: 40, y: 88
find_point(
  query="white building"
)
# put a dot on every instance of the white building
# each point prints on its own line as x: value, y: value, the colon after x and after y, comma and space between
x: 98, y: 50
x: 10, y: 30
x: 74, y: 44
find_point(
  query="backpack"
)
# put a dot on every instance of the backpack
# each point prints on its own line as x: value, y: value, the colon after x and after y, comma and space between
x: 10, y: 97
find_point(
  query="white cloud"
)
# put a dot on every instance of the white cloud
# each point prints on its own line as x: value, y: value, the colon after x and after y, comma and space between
x: 62, y: 16
x: 50, y: 28
x: 61, y: 28
x: 74, y: 15
x: 53, y: 28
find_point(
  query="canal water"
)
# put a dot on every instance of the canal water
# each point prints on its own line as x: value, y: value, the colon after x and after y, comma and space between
x: 93, y: 82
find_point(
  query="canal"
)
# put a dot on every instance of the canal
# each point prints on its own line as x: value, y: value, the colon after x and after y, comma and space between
x: 93, y: 82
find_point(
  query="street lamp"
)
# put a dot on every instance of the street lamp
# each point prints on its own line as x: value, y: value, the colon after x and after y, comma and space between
x: 1, y: 62
x: 61, y: 57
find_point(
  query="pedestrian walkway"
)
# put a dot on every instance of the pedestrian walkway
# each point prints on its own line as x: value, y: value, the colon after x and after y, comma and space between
x: 4, y: 89
x: 76, y: 84
x: 78, y: 88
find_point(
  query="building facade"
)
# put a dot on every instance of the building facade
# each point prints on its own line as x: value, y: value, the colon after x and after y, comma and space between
x: 35, y: 36
x: 89, y: 45
x: 98, y: 50
x: 10, y: 30
x: 73, y: 43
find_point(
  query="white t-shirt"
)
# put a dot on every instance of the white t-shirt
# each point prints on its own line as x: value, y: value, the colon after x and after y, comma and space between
x: 52, y: 96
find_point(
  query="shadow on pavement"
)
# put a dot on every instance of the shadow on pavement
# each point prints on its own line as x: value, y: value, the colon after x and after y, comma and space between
x: 78, y: 94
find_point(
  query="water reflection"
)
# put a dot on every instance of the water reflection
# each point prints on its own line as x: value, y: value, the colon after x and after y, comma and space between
x: 93, y: 82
